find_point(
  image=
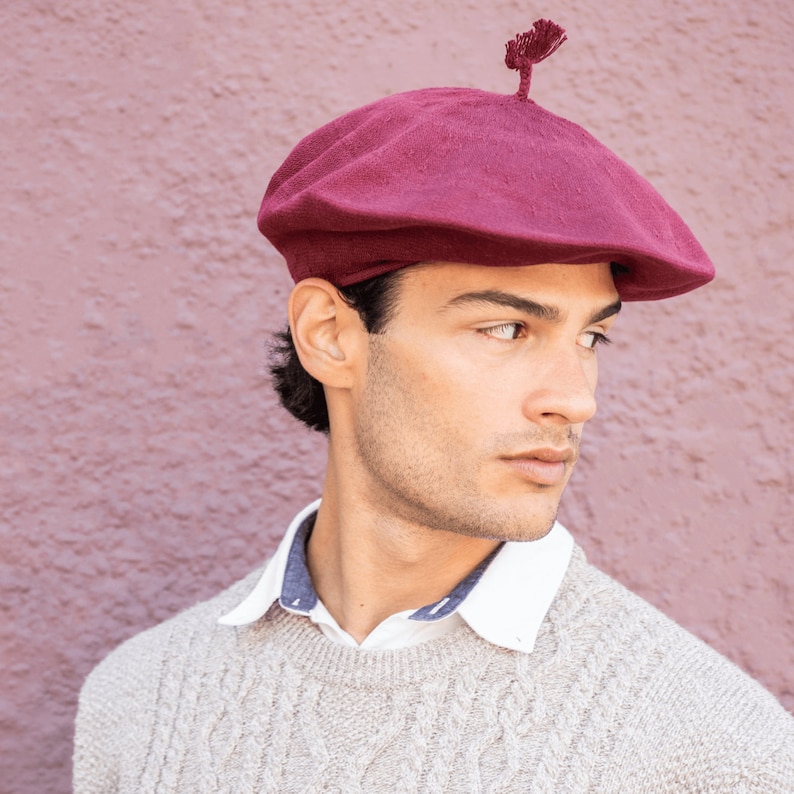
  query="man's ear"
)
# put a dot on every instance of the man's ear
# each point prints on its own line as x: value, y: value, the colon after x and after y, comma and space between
x: 328, y: 334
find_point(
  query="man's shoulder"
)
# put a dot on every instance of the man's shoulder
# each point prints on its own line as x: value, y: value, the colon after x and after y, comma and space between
x: 122, y: 699
x: 136, y: 660
x: 703, y: 717
x: 619, y: 618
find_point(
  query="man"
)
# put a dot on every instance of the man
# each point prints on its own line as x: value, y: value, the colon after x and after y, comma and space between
x: 428, y: 626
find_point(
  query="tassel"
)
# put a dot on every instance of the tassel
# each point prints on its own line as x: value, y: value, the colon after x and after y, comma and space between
x: 532, y: 47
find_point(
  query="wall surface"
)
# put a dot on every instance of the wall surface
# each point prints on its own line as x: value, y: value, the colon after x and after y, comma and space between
x: 143, y: 461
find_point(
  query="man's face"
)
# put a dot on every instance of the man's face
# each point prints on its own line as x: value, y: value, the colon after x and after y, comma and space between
x: 471, y: 411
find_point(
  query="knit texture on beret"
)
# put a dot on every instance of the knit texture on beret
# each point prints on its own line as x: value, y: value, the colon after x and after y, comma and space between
x: 461, y: 175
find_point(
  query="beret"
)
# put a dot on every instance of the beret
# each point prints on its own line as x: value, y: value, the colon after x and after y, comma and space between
x: 462, y: 175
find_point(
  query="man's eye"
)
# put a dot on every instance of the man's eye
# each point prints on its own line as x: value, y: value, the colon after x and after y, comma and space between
x: 591, y: 339
x: 503, y: 331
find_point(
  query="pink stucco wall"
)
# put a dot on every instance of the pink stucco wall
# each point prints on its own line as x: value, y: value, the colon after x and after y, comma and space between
x: 143, y: 461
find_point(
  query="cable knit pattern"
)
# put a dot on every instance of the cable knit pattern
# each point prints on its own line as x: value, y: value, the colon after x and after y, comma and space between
x: 614, y: 698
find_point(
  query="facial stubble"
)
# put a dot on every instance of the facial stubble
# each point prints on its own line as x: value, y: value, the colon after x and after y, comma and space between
x: 421, y: 470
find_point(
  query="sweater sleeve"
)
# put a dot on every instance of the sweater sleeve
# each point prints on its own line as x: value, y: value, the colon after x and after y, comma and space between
x: 96, y: 759
x: 113, y: 724
x: 122, y: 696
x: 775, y: 774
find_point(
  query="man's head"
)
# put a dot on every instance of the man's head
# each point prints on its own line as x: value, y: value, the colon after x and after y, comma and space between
x: 403, y: 220
x: 466, y: 408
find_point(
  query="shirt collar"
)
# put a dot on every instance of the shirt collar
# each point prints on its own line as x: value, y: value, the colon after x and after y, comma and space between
x: 269, y: 587
x: 510, y: 602
x: 504, y: 599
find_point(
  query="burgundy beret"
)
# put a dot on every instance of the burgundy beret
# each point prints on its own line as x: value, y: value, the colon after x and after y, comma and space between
x: 461, y: 175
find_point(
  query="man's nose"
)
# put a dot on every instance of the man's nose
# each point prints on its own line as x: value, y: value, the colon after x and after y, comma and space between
x: 561, y: 388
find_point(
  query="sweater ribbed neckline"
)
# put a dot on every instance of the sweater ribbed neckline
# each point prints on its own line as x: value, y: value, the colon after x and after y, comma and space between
x: 306, y: 649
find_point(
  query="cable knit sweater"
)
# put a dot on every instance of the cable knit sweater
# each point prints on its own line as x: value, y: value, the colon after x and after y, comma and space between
x: 614, y: 698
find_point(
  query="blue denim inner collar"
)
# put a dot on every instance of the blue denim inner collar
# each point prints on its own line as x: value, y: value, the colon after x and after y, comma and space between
x: 298, y: 593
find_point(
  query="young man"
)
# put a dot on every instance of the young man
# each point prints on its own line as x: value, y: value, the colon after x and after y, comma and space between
x: 428, y: 625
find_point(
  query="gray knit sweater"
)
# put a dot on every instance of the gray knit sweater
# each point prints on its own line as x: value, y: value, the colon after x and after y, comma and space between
x: 614, y: 698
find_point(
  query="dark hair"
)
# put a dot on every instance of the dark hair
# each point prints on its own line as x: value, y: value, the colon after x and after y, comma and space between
x: 300, y: 393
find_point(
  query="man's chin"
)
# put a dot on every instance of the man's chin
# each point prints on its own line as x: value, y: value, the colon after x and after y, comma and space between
x: 532, y: 516
x: 527, y: 532
x: 516, y: 522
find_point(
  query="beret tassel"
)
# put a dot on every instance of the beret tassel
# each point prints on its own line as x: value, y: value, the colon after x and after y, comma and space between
x: 532, y: 47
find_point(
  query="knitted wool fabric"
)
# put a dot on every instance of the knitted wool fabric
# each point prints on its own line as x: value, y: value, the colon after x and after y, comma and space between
x: 614, y: 698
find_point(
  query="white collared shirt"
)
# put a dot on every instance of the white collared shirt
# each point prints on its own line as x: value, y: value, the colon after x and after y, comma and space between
x: 504, y: 600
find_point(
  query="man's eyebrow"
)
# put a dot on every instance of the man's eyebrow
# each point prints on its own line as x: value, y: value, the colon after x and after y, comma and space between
x: 494, y: 297
x: 540, y: 310
x: 607, y: 311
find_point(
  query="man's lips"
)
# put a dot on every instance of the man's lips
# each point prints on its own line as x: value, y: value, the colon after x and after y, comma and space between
x: 547, y: 466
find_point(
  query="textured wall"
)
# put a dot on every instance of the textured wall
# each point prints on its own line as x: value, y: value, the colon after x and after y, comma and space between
x: 142, y: 459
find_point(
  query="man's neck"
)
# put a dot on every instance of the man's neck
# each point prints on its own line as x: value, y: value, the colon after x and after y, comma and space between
x: 367, y: 566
